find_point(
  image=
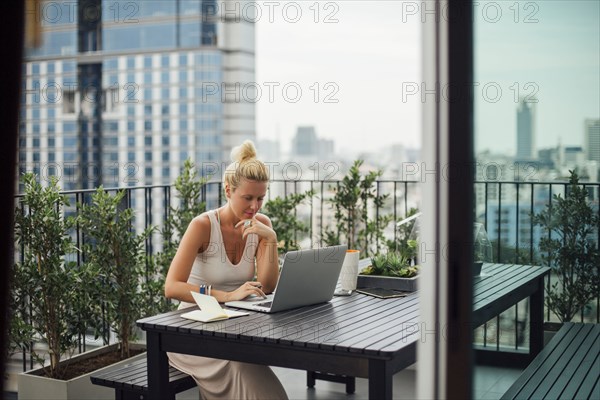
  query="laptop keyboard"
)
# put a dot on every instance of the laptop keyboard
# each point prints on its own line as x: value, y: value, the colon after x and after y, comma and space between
x: 265, y: 304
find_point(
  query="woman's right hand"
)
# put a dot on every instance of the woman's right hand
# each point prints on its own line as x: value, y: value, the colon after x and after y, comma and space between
x: 245, y: 290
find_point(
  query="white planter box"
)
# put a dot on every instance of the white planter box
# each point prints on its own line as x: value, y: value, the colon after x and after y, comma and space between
x: 32, y: 386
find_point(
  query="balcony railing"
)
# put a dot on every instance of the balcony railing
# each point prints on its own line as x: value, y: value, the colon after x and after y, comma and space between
x: 504, y: 208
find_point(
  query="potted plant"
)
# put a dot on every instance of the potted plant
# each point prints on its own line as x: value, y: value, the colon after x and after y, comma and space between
x: 392, y: 270
x: 569, y: 247
x: 351, y: 201
x: 121, y: 282
x: 51, y: 297
x: 116, y: 253
x: 398, y: 267
x: 46, y: 282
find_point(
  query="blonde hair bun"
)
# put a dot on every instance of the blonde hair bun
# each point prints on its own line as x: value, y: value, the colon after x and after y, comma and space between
x: 244, y: 165
x: 243, y: 152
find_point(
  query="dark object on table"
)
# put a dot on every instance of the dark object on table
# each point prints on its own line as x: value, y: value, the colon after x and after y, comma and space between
x: 382, y: 293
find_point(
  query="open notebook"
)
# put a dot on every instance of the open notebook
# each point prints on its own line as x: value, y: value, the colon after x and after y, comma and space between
x: 210, y: 310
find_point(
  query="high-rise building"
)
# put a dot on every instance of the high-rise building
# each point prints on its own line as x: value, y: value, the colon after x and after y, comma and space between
x: 306, y: 144
x: 526, y: 149
x: 592, y: 140
x: 121, y: 93
x: 573, y: 156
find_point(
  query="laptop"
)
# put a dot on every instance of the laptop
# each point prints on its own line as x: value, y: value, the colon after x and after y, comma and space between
x: 307, y: 277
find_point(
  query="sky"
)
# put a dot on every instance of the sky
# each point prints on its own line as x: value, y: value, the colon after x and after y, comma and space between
x: 355, y: 55
x: 365, y: 56
x: 548, y: 50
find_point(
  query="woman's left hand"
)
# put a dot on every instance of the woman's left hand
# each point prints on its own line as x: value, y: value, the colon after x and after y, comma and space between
x: 255, y: 226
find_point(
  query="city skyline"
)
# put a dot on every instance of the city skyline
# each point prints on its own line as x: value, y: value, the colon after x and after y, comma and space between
x: 307, y: 80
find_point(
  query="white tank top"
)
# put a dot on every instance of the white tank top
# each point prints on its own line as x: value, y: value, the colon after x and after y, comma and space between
x: 213, y: 267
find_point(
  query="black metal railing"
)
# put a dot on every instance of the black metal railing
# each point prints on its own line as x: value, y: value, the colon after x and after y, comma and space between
x: 505, y: 209
x: 514, y: 235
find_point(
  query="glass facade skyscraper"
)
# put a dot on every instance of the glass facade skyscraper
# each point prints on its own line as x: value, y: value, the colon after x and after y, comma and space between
x: 121, y: 93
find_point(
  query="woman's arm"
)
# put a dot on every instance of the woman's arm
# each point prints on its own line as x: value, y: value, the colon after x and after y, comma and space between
x: 267, y: 260
x: 193, y: 241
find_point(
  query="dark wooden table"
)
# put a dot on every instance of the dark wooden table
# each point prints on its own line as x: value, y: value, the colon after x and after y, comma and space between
x: 501, y: 287
x: 359, y: 335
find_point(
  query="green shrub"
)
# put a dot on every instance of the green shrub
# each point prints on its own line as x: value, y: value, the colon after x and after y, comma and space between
x: 49, y: 293
x: 569, y: 247
x: 353, y: 197
x: 117, y: 254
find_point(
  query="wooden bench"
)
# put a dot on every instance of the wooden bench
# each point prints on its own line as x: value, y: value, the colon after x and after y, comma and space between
x: 131, y: 381
x: 567, y: 368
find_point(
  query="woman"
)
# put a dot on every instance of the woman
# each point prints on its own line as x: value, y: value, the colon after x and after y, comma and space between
x: 219, y: 248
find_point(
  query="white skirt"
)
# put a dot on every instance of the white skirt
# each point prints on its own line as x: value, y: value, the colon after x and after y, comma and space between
x: 224, y: 379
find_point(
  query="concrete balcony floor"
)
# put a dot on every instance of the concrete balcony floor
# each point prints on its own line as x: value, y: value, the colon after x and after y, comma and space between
x: 490, y: 383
